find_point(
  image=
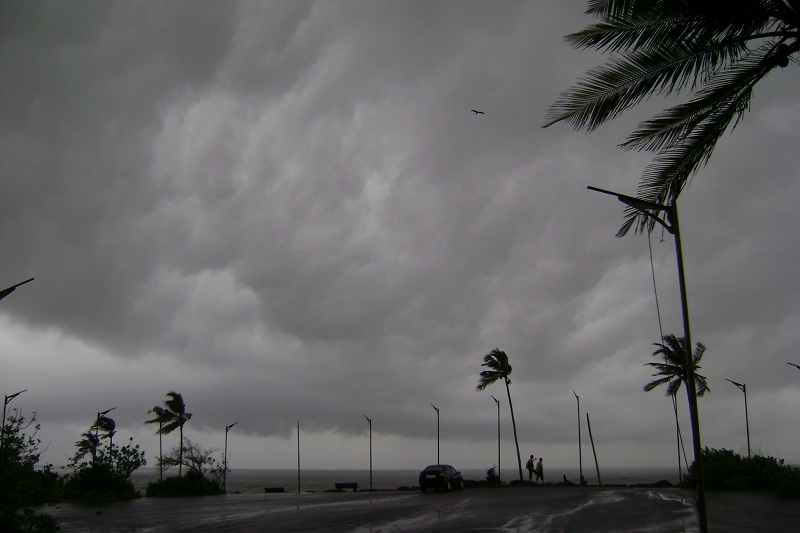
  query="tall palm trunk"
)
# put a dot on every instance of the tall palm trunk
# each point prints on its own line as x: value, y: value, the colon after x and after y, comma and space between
x: 677, y: 436
x: 160, y: 452
x: 180, y: 455
x: 514, y: 425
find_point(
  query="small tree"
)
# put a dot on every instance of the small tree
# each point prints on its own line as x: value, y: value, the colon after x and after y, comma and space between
x: 203, y: 473
x: 106, y: 475
x: 21, y: 485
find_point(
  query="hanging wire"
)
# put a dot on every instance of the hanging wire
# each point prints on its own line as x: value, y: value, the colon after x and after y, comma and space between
x: 655, y: 289
x: 661, y: 332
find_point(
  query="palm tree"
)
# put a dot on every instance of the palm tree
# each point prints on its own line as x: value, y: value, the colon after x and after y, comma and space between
x: 499, y: 368
x: 673, y: 373
x: 673, y: 370
x: 716, y: 51
x: 87, y: 445
x: 108, y: 426
x: 169, y: 418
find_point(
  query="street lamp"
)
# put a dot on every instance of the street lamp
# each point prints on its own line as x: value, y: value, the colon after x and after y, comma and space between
x: 498, y: 436
x: 5, y: 404
x: 370, y: 451
x: 6, y: 292
x: 743, y: 387
x: 225, y: 458
x: 670, y: 223
x: 437, y: 433
x: 580, y: 454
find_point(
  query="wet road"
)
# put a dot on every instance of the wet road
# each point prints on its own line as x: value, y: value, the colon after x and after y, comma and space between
x: 533, y: 509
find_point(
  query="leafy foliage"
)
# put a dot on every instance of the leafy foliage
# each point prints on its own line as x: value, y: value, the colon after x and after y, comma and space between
x: 102, y: 472
x: 725, y: 469
x: 203, y: 473
x: 21, y: 485
x: 192, y: 484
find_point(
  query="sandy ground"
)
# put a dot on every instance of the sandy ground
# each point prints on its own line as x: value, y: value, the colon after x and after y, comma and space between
x: 517, y: 509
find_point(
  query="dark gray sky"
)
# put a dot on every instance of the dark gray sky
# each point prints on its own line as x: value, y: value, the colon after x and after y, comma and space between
x: 286, y: 212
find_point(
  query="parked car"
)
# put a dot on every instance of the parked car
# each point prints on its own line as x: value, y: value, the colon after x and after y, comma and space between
x: 440, y: 477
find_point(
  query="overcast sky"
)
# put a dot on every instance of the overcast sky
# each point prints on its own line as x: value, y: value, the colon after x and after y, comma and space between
x: 287, y: 212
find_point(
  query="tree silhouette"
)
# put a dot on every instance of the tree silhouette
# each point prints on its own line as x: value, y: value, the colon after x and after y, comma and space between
x: 673, y: 373
x: 109, y: 428
x: 499, y: 368
x: 169, y: 418
x: 716, y: 51
x: 673, y: 370
x: 88, y: 445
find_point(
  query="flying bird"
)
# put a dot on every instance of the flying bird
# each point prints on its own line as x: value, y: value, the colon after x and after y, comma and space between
x: 478, y: 112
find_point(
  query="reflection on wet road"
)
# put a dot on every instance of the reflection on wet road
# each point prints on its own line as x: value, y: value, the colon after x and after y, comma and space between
x: 516, y: 509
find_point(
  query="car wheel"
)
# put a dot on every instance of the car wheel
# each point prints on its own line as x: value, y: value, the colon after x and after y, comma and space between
x: 448, y: 487
x: 460, y: 484
x: 422, y: 489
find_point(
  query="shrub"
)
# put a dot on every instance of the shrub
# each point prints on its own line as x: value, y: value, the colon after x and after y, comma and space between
x: 106, y: 475
x: 21, y: 485
x: 725, y: 469
x: 193, y: 483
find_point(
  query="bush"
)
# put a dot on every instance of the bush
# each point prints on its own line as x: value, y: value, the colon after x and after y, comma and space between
x: 725, y: 469
x: 192, y: 484
x: 21, y: 485
x: 106, y: 474
x: 98, y: 482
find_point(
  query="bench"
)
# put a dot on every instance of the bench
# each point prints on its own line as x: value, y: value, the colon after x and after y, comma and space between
x: 340, y: 486
x: 273, y: 489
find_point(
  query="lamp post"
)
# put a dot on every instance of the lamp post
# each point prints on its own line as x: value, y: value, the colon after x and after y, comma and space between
x: 5, y: 404
x: 498, y: 436
x: 794, y: 365
x: 670, y: 223
x: 743, y: 387
x: 437, y: 433
x: 580, y: 453
x: 370, y: 451
x: 6, y: 292
x: 3, y: 294
x: 225, y: 458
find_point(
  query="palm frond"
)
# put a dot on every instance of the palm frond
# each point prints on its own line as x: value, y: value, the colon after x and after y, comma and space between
x: 499, y: 368
x: 719, y: 49
x: 673, y: 369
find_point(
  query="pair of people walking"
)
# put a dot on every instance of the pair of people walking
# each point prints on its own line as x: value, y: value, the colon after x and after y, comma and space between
x: 535, y: 468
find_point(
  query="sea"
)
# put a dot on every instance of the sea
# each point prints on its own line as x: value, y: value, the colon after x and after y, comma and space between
x: 254, y: 481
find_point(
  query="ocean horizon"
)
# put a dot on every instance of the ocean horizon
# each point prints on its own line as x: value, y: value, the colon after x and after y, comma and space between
x: 255, y: 480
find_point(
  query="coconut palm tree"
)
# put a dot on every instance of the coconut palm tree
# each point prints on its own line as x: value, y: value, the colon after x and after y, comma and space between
x: 109, y: 428
x: 161, y: 418
x: 715, y: 51
x: 499, y: 368
x: 672, y: 371
x: 87, y: 445
x: 169, y: 418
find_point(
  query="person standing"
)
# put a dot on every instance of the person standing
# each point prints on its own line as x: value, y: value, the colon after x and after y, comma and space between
x: 539, y: 471
x: 530, y: 466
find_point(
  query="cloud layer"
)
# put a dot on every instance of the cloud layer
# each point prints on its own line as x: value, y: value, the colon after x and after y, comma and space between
x: 287, y: 212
